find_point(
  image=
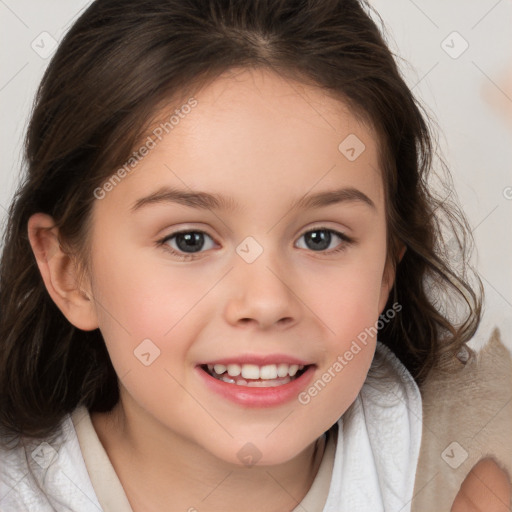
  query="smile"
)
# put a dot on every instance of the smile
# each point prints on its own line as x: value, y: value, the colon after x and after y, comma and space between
x: 251, y: 375
x: 267, y: 384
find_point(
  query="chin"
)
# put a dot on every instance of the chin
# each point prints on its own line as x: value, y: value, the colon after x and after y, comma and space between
x: 259, y: 453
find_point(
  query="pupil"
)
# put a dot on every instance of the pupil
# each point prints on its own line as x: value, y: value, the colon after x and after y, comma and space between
x: 187, y: 242
x: 320, y: 239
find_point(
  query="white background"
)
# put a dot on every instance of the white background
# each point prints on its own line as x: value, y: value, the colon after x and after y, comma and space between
x: 470, y: 96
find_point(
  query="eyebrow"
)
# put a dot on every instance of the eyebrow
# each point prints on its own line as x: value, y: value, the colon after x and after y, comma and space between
x: 207, y: 201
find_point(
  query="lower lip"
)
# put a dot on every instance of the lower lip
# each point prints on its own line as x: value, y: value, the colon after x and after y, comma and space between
x: 258, y: 397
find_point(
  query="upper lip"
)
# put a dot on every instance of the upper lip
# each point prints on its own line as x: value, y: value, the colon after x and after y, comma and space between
x: 258, y: 360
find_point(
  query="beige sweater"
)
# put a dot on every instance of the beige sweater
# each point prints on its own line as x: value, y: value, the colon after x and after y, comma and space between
x: 467, y: 415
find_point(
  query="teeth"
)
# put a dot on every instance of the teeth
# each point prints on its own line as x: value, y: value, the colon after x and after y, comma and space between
x: 268, y: 372
x: 234, y: 370
x: 228, y: 380
x: 268, y: 383
x: 294, y: 368
x: 282, y: 370
x: 219, y: 368
x: 254, y: 372
x: 250, y: 371
x: 256, y: 383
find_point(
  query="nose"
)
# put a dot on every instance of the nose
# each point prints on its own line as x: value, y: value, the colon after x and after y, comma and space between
x: 263, y: 295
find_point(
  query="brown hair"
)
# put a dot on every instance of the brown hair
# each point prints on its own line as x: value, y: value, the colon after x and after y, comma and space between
x: 116, y: 65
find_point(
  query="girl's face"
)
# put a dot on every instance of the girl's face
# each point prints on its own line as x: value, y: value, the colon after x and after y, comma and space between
x: 276, y: 191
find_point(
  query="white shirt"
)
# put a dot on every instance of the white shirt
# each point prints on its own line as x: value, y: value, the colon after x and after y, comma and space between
x: 369, y: 466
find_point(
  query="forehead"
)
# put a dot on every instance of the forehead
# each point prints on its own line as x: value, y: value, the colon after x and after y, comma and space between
x: 253, y: 133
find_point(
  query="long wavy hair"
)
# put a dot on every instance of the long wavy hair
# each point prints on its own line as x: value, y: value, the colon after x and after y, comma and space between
x: 118, y: 63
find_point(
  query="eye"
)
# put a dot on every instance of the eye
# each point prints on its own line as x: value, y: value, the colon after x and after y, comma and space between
x: 320, y: 239
x: 185, y: 244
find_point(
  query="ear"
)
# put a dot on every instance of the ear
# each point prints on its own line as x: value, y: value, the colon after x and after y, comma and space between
x: 388, y: 278
x: 59, y: 272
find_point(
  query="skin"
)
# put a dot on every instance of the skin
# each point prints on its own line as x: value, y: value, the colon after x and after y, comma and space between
x: 485, y: 489
x: 264, y: 142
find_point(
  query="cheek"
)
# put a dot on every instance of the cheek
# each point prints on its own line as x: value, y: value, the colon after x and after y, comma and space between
x: 144, y: 319
x: 347, y: 297
x: 337, y: 384
x: 347, y: 301
x: 139, y: 300
x: 350, y: 312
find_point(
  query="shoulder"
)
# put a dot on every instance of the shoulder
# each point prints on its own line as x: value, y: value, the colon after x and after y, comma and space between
x: 16, y: 489
x: 45, y: 474
x: 467, y: 416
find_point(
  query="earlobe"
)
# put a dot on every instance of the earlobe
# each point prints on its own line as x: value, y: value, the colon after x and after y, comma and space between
x: 59, y: 272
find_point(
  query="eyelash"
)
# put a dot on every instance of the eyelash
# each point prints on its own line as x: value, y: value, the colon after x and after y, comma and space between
x: 346, y: 241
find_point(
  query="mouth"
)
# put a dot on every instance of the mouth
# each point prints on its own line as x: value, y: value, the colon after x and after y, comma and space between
x: 257, y: 382
x: 251, y: 375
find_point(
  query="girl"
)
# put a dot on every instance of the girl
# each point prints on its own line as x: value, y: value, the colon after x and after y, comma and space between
x: 224, y: 275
